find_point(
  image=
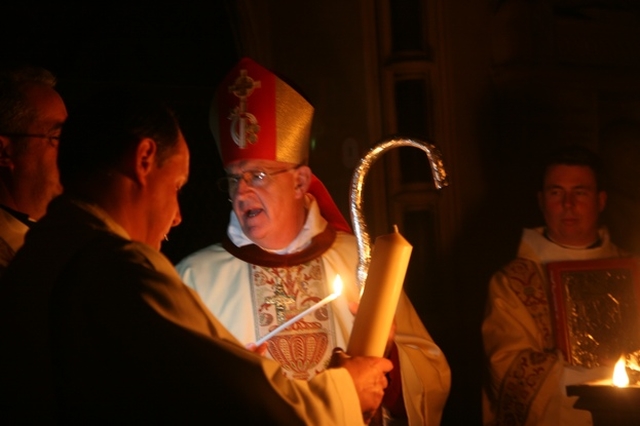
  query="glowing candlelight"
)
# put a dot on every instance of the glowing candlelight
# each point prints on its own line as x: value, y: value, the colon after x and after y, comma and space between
x: 389, y: 261
x: 620, y: 377
x: 337, y: 290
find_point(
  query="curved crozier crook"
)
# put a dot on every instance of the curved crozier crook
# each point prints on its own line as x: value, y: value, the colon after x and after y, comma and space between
x: 357, y: 184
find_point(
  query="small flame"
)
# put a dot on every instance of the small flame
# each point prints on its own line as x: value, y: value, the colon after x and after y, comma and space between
x: 620, y: 378
x: 337, y: 286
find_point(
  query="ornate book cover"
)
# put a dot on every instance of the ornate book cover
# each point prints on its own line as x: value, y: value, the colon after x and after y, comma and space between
x: 596, y: 305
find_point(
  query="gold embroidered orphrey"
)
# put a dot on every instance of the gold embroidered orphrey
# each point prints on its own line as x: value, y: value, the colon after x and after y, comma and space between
x: 303, y: 349
x: 530, y: 368
x: 244, y: 125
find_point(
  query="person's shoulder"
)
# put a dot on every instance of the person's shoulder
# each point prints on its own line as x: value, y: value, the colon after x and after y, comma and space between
x: 622, y: 252
x: 110, y: 250
x: 518, y: 266
x: 345, y: 244
x: 206, y: 255
x: 345, y: 237
x: 203, y: 268
x: 104, y: 265
x: 139, y: 250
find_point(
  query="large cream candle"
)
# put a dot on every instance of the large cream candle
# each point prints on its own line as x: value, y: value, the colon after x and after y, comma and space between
x: 387, y: 269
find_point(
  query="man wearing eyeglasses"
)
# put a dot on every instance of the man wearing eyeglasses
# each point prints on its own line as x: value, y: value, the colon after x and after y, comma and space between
x: 31, y: 118
x: 286, y: 242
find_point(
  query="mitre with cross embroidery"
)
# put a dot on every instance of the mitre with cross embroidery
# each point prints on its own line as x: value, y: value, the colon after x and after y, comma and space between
x: 256, y: 115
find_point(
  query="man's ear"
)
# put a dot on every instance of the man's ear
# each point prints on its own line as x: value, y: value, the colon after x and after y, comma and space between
x: 6, y: 159
x: 146, y: 153
x: 602, y: 200
x: 302, y: 180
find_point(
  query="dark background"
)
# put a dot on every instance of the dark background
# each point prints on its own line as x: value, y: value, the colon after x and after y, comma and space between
x: 179, y: 50
x: 521, y: 77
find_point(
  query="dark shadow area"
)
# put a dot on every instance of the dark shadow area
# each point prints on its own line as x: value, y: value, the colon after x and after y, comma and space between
x: 511, y: 157
x: 181, y: 51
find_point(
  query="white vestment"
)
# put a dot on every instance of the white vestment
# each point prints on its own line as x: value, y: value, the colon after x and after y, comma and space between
x: 12, y: 232
x: 528, y: 376
x: 250, y: 300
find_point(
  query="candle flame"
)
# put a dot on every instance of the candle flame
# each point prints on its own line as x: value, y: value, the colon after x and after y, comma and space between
x: 337, y: 286
x: 620, y: 377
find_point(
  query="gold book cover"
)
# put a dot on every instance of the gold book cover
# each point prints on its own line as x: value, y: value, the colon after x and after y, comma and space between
x: 596, y: 305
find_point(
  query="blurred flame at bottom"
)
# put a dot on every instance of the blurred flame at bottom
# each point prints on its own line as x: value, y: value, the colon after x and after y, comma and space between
x: 620, y: 377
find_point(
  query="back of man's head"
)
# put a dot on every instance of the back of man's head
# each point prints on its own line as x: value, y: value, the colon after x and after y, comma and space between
x: 16, y: 113
x: 101, y: 131
x: 575, y: 155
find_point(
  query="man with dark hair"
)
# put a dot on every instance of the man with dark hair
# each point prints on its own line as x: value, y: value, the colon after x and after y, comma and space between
x: 527, y: 371
x: 31, y: 118
x: 103, y: 331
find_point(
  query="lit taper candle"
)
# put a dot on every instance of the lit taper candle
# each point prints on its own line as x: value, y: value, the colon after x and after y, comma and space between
x: 337, y: 290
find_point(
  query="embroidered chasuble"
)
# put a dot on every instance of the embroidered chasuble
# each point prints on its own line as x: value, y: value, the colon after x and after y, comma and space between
x: 304, y: 348
x: 282, y: 286
x: 529, y: 368
x: 527, y: 374
x: 252, y: 291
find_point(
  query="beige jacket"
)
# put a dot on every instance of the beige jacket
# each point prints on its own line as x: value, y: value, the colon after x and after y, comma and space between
x: 104, y: 331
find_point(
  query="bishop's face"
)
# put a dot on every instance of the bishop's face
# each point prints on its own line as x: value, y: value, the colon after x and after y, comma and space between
x: 571, y: 203
x: 267, y: 201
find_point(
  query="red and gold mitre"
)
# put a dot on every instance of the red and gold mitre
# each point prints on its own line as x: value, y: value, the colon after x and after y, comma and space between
x: 256, y: 115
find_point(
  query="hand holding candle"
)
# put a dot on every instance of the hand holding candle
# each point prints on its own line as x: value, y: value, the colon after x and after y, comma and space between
x: 337, y: 290
x: 388, y: 267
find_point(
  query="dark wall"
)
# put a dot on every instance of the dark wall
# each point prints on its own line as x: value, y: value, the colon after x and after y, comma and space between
x: 181, y: 51
x: 524, y: 76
